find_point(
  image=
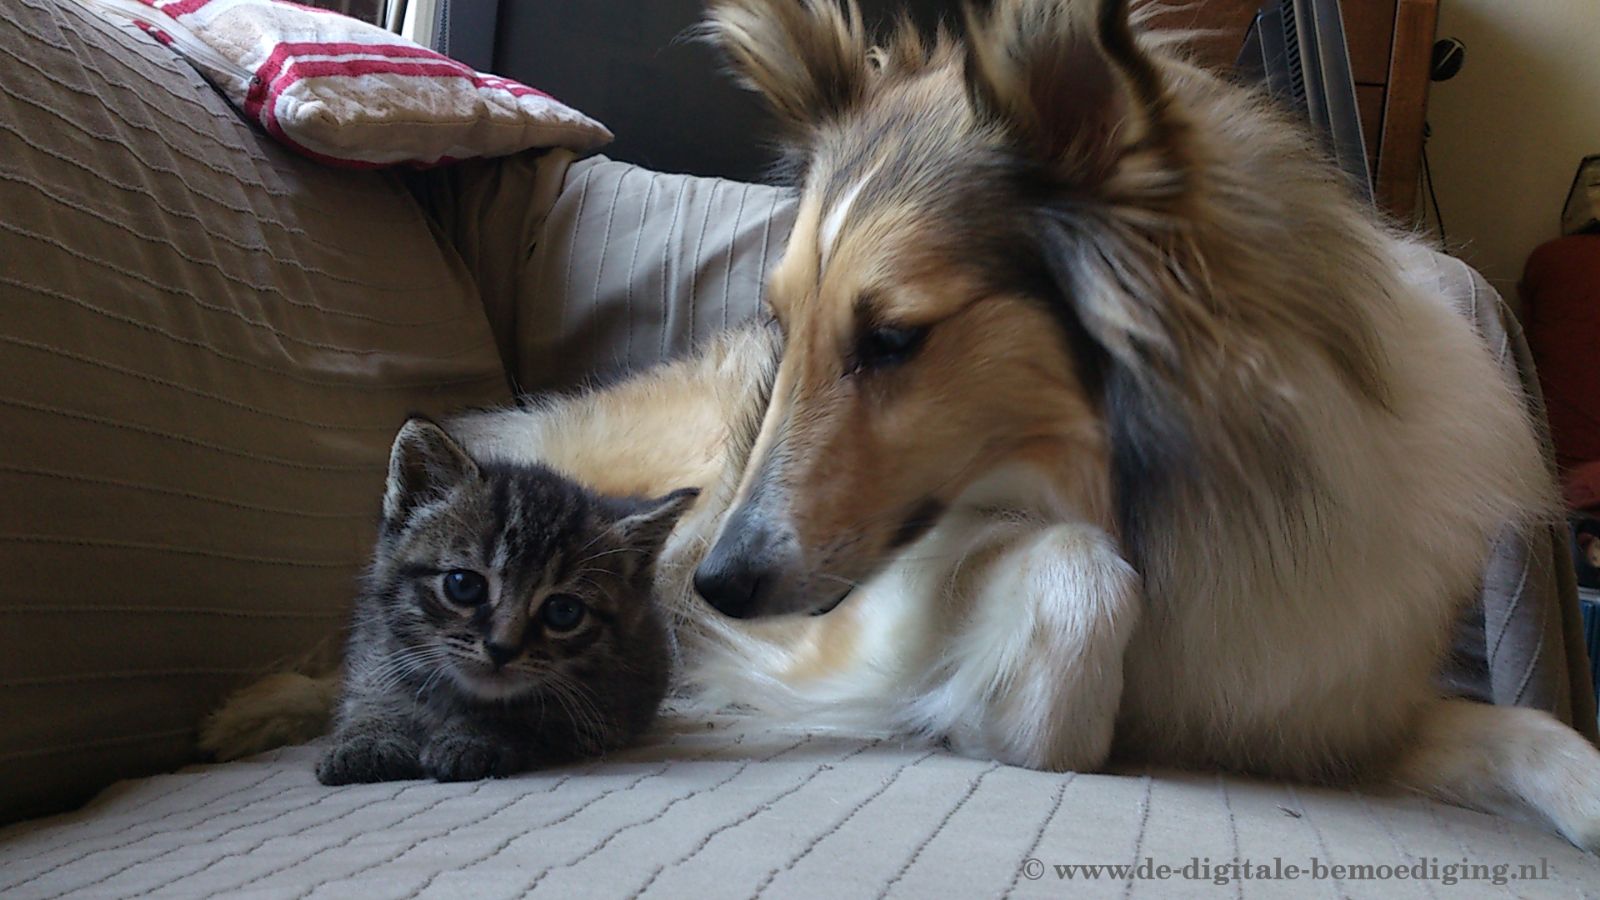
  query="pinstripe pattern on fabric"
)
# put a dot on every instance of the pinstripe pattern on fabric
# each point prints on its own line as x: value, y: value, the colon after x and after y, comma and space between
x: 1533, y: 649
x: 637, y: 266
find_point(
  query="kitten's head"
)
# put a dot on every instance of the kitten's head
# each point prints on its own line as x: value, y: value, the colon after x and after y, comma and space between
x: 516, y: 582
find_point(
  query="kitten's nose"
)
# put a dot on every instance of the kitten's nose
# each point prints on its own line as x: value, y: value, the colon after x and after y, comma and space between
x: 500, y: 654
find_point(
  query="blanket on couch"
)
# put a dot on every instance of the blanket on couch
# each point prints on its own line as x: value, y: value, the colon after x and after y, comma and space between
x: 721, y: 807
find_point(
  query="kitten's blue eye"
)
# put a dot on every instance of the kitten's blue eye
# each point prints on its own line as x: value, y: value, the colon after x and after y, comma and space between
x: 465, y: 587
x: 561, y: 612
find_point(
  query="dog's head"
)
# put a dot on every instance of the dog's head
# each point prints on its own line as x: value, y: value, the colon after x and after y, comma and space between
x: 992, y: 243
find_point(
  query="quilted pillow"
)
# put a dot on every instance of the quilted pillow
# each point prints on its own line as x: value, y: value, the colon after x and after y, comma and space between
x: 348, y: 93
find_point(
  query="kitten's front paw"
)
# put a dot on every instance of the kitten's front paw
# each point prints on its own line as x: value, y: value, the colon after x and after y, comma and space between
x: 452, y: 756
x: 363, y: 759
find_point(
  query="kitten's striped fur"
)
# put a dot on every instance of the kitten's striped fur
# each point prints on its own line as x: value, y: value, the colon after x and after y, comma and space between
x: 440, y: 686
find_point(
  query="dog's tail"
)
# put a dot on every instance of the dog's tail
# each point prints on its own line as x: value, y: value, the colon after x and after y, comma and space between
x: 1517, y: 762
x: 281, y: 709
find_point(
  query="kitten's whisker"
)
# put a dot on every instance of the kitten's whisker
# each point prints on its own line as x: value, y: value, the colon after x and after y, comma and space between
x: 581, y: 705
x: 601, y: 589
x: 584, y: 576
x: 590, y: 543
x: 426, y: 684
x: 396, y: 670
x: 573, y: 715
x: 604, y: 553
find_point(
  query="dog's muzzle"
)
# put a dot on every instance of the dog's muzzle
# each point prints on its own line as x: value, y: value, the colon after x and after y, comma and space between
x: 747, y: 572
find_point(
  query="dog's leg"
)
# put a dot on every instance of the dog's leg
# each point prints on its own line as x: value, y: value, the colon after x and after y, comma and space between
x: 1034, y: 677
x: 1510, y: 761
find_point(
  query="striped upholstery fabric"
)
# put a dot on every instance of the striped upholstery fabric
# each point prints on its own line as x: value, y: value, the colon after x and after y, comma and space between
x: 713, y: 808
x: 637, y: 266
x: 595, y: 268
x: 1522, y: 643
x: 206, y: 345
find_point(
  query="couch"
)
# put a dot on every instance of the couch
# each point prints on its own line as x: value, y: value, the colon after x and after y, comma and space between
x: 207, y: 345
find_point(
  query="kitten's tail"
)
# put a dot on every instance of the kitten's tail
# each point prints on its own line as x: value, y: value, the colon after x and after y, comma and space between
x: 1510, y: 761
x: 286, y: 708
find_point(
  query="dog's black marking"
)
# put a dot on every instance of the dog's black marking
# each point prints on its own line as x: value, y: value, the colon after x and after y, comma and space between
x: 921, y: 518
x: 833, y: 604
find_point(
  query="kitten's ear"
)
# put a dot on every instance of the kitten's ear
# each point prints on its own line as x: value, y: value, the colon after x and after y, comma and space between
x: 646, y: 531
x: 424, y: 463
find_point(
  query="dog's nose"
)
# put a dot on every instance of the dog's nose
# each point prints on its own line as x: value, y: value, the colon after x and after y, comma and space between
x: 741, y: 571
x: 500, y: 654
x: 733, y: 588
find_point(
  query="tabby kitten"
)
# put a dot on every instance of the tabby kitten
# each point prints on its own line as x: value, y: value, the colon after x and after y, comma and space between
x: 507, y: 621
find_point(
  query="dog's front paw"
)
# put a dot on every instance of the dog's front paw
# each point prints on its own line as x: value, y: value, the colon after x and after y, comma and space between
x: 362, y: 759
x: 454, y: 756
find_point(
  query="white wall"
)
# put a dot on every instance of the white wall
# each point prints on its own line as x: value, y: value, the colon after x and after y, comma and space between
x: 1509, y: 130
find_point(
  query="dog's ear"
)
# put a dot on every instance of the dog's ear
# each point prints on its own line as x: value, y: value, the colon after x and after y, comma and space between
x: 1071, y: 85
x: 808, y: 58
x: 1069, y: 82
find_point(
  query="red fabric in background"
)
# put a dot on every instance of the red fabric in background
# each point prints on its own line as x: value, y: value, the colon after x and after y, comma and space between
x: 1561, y: 315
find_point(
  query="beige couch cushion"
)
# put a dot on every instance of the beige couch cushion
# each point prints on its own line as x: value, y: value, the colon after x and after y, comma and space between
x: 205, y: 347
x: 737, y: 811
x: 635, y: 266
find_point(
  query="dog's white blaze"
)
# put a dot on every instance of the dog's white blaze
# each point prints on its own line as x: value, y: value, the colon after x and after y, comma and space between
x: 828, y: 231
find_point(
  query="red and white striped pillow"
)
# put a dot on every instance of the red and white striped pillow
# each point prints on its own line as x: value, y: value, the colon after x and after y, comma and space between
x: 349, y: 93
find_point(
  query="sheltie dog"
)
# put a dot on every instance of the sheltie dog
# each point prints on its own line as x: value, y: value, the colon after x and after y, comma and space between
x: 1108, y: 419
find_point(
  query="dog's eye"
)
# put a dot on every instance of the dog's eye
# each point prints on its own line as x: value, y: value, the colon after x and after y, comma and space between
x: 887, y: 346
x: 561, y: 612
x: 465, y: 587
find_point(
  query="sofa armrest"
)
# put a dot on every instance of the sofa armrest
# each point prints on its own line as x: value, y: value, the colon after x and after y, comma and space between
x: 493, y: 211
x: 206, y: 346
x: 1521, y: 641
